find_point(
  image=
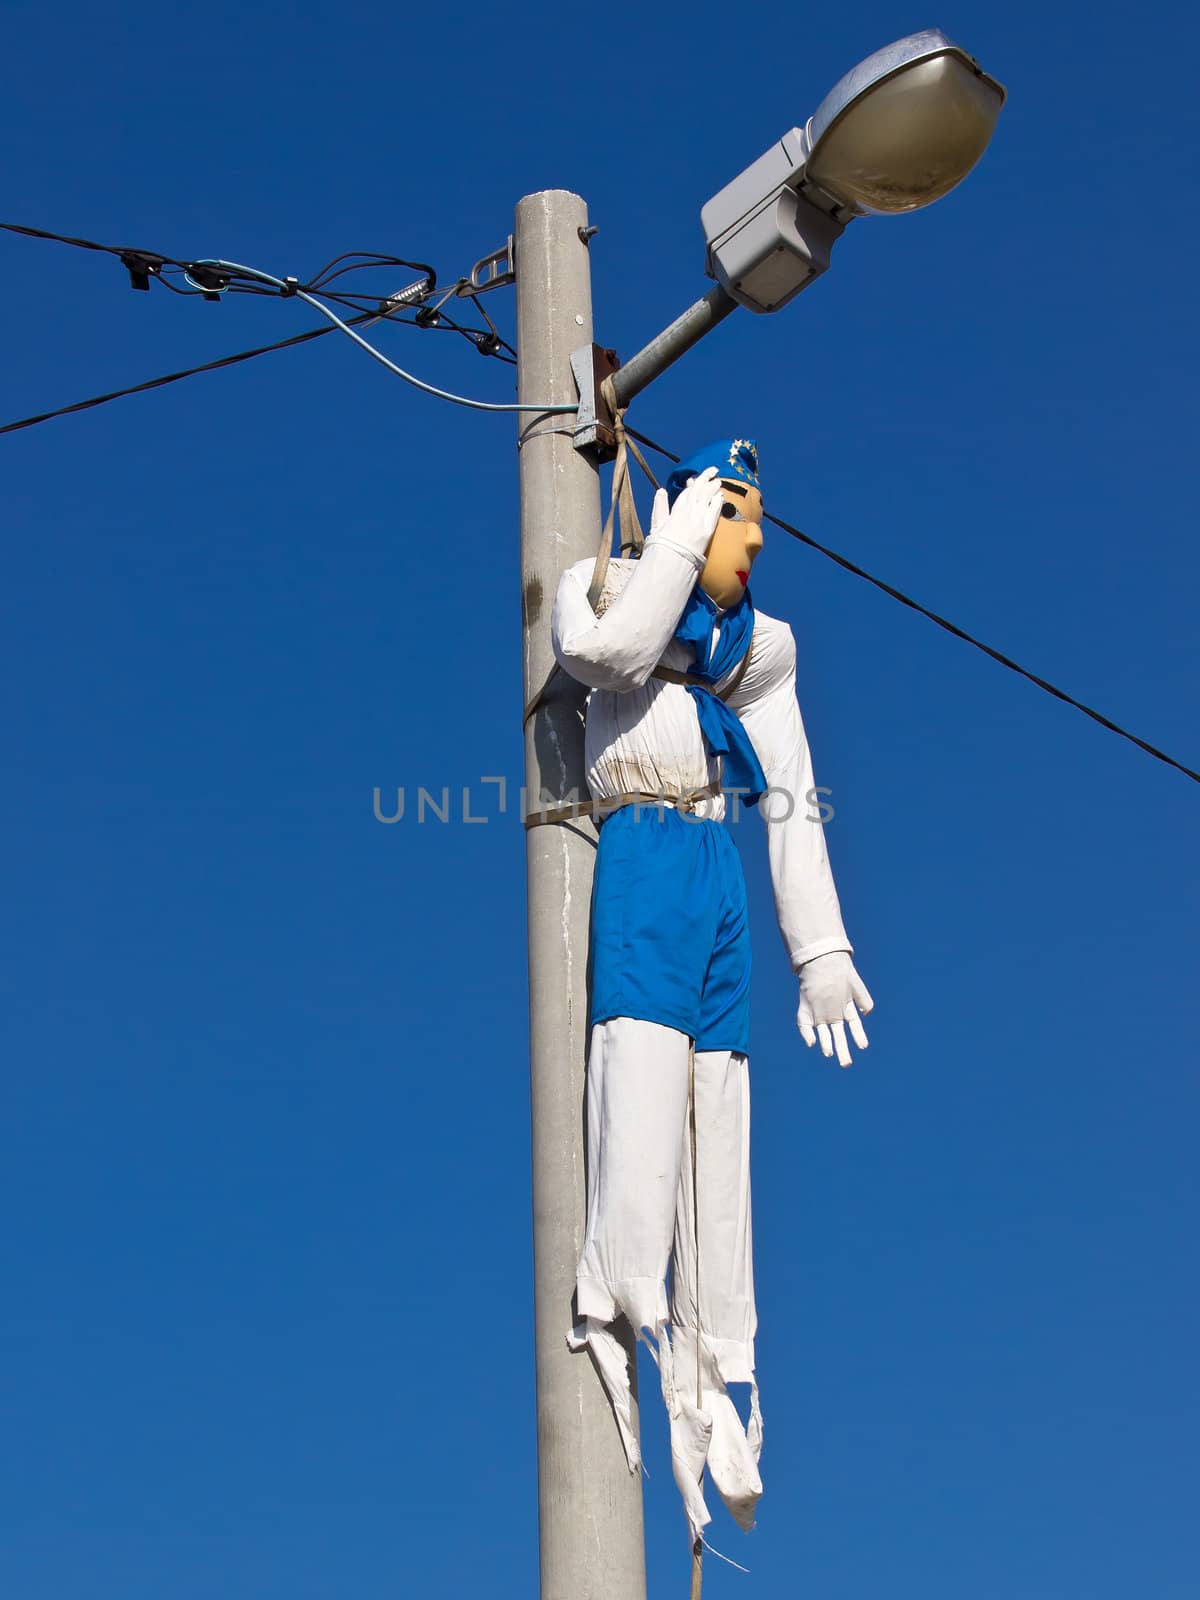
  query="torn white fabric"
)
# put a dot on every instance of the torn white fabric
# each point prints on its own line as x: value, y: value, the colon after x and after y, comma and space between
x: 641, y: 1221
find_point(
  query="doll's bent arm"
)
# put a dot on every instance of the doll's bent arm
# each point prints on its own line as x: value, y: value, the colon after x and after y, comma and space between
x: 621, y: 648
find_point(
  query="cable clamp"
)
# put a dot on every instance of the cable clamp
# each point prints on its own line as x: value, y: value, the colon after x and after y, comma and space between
x: 290, y: 285
x: 211, y: 282
x: 427, y: 316
x: 141, y: 267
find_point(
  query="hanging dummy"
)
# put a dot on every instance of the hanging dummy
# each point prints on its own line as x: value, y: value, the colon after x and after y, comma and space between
x: 692, y: 711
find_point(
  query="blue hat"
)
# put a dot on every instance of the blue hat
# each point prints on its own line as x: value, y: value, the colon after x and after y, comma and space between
x: 736, y: 459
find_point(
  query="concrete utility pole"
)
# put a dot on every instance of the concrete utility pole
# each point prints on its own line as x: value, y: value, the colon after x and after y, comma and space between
x: 590, y: 1504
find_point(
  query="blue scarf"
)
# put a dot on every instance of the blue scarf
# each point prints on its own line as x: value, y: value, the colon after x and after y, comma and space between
x: 721, y: 726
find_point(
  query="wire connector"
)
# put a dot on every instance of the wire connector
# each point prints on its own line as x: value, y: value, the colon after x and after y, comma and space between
x: 203, y: 276
x: 290, y: 286
x: 141, y: 267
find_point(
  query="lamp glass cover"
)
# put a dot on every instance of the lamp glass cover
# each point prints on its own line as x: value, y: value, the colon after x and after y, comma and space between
x: 907, y: 140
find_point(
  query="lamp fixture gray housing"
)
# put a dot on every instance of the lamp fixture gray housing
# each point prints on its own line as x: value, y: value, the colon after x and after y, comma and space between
x: 897, y: 132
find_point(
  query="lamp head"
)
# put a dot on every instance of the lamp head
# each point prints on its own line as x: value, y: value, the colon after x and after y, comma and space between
x: 896, y: 133
x: 904, y: 127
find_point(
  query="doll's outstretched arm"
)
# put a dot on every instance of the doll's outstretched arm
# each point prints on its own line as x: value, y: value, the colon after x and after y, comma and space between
x: 806, y: 902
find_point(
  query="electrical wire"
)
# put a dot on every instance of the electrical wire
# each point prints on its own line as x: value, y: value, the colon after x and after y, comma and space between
x: 170, y: 377
x: 224, y: 361
x: 495, y: 331
x: 191, y: 372
x: 84, y: 244
x: 360, y: 259
x: 195, y: 280
x: 952, y: 628
x: 212, y: 280
x: 261, y: 282
x: 486, y: 343
x: 293, y: 289
x: 153, y: 264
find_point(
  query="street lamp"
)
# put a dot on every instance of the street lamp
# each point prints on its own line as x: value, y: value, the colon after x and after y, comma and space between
x: 898, y: 132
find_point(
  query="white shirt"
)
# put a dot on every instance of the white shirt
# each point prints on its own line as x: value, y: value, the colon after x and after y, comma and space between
x: 643, y: 733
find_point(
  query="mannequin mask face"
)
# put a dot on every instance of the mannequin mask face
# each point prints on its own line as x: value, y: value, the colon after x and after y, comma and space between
x: 734, y: 546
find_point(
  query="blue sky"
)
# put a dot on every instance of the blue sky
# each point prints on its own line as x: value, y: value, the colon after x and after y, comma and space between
x: 264, y: 1135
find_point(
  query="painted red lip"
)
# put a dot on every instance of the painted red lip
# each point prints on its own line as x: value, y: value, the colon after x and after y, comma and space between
x: 744, y: 578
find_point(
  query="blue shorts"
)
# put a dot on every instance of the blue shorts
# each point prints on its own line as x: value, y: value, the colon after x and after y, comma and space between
x: 670, y: 932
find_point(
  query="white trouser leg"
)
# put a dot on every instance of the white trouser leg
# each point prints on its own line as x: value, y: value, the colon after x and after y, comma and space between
x: 637, y: 1088
x: 637, y: 1091
x: 726, y: 1276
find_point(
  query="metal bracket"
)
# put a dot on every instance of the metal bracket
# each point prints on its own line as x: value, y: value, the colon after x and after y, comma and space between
x: 493, y: 272
x: 593, y: 430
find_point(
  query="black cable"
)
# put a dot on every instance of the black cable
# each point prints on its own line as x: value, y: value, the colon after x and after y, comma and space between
x: 496, y: 335
x: 89, y: 244
x: 147, y: 264
x: 144, y: 265
x: 230, y: 361
x: 950, y: 627
x: 171, y: 377
x: 359, y: 260
x: 175, y: 288
x: 159, y: 262
x: 475, y: 337
x: 488, y: 344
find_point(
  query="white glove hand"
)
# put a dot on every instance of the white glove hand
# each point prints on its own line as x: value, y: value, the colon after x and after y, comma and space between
x: 692, y: 520
x: 831, y: 995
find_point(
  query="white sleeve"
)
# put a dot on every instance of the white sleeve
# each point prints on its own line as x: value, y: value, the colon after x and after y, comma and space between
x: 806, y: 902
x: 620, y: 649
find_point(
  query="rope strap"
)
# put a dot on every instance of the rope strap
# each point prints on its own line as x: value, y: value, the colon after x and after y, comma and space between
x: 621, y: 507
x: 600, y: 809
x: 670, y: 675
x: 620, y: 502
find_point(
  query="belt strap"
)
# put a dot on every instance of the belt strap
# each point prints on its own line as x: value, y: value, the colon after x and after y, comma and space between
x: 600, y: 809
x: 669, y: 675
